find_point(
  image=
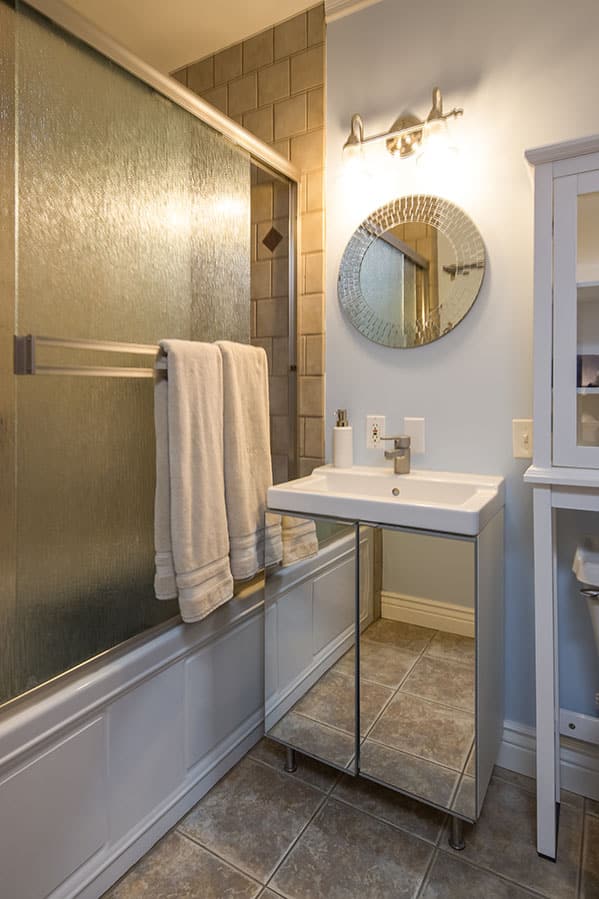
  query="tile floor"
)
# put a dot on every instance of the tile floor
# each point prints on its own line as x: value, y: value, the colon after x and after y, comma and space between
x: 416, y: 713
x: 320, y: 834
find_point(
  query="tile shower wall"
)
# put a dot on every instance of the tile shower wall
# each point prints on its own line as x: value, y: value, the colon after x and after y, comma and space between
x: 273, y: 85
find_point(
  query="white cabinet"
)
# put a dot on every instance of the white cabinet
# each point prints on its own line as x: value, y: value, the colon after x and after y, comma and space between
x: 565, y: 470
x: 576, y: 317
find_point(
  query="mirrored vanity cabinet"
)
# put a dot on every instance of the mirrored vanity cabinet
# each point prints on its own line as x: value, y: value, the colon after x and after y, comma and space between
x: 565, y: 470
x: 384, y: 651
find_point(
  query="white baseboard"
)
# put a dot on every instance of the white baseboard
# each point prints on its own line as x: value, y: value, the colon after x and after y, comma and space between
x: 579, y: 761
x: 442, y: 616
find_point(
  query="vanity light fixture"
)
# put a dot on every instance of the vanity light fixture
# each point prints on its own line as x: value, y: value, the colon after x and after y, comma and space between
x: 406, y: 133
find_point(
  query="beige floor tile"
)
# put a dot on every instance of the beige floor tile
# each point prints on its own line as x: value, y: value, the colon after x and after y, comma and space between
x: 251, y: 817
x: 390, y: 806
x: 334, y: 746
x: 440, y: 680
x: 415, y: 776
x: 425, y: 729
x: 451, y: 878
x: 344, y: 854
x: 332, y: 701
x: 177, y: 868
x: 411, y: 637
x: 379, y: 663
x: 504, y: 842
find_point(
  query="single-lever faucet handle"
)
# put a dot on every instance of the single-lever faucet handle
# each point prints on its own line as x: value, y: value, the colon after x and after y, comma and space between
x: 401, y: 442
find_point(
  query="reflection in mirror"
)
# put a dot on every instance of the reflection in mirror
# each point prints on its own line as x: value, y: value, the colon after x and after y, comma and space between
x: 417, y: 697
x: 411, y: 271
x: 310, y: 626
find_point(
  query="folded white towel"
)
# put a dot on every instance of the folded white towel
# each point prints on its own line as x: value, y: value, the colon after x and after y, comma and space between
x: 191, y: 539
x: 299, y: 539
x: 254, y: 535
x: 586, y: 562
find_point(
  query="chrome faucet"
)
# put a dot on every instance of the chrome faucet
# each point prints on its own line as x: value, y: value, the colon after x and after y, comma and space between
x: 400, y: 454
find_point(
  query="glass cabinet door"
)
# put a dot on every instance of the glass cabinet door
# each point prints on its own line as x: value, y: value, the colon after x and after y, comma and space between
x: 576, y: 321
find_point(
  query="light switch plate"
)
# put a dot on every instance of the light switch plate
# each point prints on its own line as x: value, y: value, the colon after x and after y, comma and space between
x: 414, y: 428
x: 522, y: 438
x: 375, y: 429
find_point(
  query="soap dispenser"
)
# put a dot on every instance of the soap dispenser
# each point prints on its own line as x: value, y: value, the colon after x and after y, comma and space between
x: 343, y: 449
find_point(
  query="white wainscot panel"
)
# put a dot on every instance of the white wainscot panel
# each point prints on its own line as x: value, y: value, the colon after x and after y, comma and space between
x: 334, y: 603
x: 224, y: 688
x: 294, y: 627
x: 53, y: 814
x: 146, y: 748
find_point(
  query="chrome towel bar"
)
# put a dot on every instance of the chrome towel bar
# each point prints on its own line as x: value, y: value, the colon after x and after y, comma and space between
x: 25, y: 357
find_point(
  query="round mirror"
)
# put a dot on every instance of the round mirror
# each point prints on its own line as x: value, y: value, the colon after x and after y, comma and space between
x: 411, y: 271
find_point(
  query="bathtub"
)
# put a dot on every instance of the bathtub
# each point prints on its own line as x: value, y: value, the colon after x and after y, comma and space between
x: 97, y: 765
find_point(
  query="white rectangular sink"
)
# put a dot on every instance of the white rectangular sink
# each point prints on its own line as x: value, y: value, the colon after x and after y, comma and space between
x: 432, y: 500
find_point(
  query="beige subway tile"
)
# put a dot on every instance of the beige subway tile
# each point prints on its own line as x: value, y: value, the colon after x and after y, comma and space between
x: 307, y: 69
x: 307, y: 466
x: 303, y: 192
x: 260, y: 280
x: 227, y: 64
x: 281, y: 199
x: 283, y: 147
x: 316, y: 25
x: 253, y: 305
x: 307, y: 150
x: 279, y: 434
x: 316, y: 108
x: 200, y: 76
x: 259, y: 122
x: 312, y: 232
x: 315, y: 191
x: 237, y: 118
x: 290, y: 117
x: 311, y: 318
x: 272, y: 318
x: 314, y: 356
x: 280, y: 276
x: 218, y: 97
x: 258, y: 51
x: 280, y: 356
x: 273, y: 83
x: 300, y: 434
x: 280, y: 469
x: 180, y: 75
x: 301, y: 355
x: 243, y: 94
x: 313, y: 272
x: 261, y: 202
x: 266, y: 344
x: 291, y: 36
x: 279, y: 396
x: 314, y: 437
x: 311, y: 396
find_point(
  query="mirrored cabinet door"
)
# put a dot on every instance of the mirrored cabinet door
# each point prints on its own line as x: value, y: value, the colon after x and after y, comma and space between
x: 576, y: 331
x: 417, y: 670
x: 310, y: 636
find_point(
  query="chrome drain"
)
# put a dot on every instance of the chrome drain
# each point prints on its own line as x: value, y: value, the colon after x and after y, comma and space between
x: 395, y: 491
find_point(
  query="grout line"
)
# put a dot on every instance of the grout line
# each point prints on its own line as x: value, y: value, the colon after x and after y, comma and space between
x: 273, y: 767
x: 391, y: 824
x: 294, y: 842
x: 415, y: 756
x: 425, y: 878
x: 221, y: 858
x: 464, y: 860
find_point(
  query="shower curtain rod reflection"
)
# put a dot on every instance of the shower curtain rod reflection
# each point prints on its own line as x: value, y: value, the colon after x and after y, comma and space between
x: 25, y: 357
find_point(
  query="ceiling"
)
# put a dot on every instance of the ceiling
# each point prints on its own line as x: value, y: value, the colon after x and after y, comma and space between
x: 169, y: 35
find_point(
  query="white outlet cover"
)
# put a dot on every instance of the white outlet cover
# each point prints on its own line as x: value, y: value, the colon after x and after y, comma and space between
x: 522, y: 438
x: 375, y: 429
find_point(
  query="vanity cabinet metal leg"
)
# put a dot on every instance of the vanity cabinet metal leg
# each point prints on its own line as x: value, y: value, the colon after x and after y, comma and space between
x: 456, y: 834
x: 290, y: 762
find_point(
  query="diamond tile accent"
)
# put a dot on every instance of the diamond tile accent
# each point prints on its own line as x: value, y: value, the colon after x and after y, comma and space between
x: 272, y: 239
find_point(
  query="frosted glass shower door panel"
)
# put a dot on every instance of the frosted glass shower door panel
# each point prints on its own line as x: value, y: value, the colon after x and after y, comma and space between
x: 133, y: 225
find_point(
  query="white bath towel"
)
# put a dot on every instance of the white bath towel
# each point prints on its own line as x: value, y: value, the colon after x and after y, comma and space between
x: 254, y: 535
x: 191, y: 538
x: 299, y: 539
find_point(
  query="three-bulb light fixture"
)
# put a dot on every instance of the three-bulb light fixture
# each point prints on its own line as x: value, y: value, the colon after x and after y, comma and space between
x: 407, y: 132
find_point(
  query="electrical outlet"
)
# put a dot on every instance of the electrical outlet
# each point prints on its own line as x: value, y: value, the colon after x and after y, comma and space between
x: 375, y: 429
x: 522, y: 438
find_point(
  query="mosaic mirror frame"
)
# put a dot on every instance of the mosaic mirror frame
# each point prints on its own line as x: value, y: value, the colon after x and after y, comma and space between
x: 466, y: 271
